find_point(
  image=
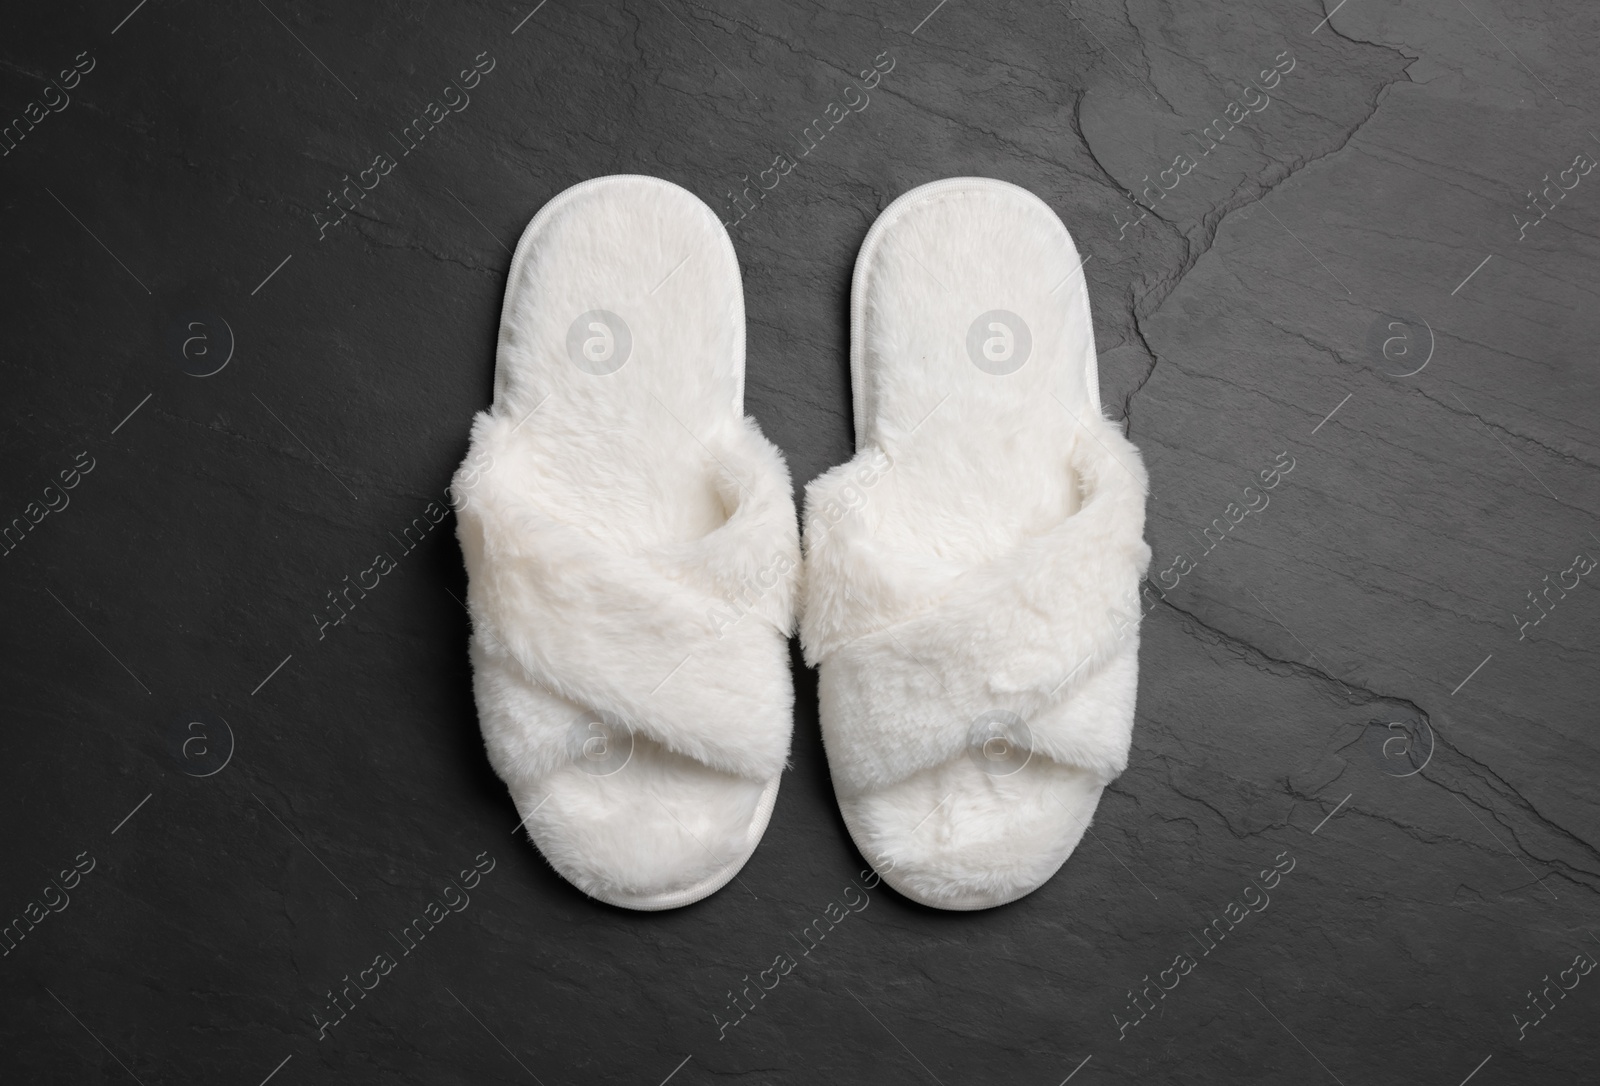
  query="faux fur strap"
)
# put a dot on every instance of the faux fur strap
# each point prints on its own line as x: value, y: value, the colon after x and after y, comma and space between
x: 914, y: 654
x: 686, y: 644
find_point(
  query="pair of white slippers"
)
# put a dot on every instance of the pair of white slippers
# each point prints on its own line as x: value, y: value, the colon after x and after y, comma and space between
x: 970, y: 579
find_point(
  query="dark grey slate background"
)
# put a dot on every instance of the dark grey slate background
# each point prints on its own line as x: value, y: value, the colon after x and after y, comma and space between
x: 1384, y: 584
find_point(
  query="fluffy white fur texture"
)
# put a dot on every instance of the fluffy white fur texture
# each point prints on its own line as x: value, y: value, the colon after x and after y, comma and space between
x: 602, y: 626
x: 917, y: 648
x: 631, y: 547
x: 975, y: 554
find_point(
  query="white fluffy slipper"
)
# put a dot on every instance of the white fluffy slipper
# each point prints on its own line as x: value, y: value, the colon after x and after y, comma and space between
x: 632, y: 552
x: 972, y: 574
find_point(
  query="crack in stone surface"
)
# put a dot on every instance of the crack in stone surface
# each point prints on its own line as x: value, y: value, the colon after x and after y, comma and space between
x: 1504, y: 789
x: 1201, y: 236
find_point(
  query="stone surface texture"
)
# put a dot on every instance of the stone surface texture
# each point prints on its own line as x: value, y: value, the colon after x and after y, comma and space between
x: 1346, y: 247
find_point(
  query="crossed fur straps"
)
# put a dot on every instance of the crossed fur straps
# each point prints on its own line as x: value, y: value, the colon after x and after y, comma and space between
x: 686, y: 644
x: 912, y: 654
